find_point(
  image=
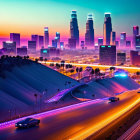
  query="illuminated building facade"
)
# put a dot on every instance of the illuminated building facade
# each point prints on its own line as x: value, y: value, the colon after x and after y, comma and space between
x: 107, y: 55
x: 44, y: 53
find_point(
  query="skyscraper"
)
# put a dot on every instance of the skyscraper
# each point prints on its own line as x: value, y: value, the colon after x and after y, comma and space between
x: 113, y: 38
x: 46, y: 36
x: 35, y: 38
x: 107, y: 28
x: 135, y: 33
x: 123, y: 40
x: 74, y: 30
x: 41, y: 41
x: 15, y: 37
x: 107, y: 55
x: 89, y: 35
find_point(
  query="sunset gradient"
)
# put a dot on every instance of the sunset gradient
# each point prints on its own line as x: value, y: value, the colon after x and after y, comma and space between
x: 31, y: 16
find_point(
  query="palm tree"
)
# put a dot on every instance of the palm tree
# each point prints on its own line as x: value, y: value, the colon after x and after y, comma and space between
x: 112, y: 69
x: 97, y: 71
x: 92, y: 72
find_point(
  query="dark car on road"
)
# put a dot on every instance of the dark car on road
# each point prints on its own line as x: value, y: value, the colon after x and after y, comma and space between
x: 113, y: 99
x: 28, y: 122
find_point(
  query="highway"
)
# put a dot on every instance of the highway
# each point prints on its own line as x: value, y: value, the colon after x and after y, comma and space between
x: 130, y: 69
x: 75, y: 122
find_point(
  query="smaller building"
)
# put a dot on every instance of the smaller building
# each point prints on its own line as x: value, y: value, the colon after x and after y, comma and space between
x: 44, y: 53
x: 137, y: 42
x: 31, y: 47
x: 10, y: 47
x: 50, y: 52
x: 72, y: 43
x: 22, y: 51
x: 100, y: 41
x: 107, y: 55
x: 62, y: 45
x: 121, y: 58
x: 41, y: 41
x: 135, y: 58
x: 117, y: 43
x: 128, y: 44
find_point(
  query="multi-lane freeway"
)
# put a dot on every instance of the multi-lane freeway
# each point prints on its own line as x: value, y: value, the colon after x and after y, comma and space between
x: 75, y: 122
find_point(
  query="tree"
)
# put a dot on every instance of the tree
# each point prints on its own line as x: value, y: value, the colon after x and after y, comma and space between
x: 112, y: 69
x: 97, y: 71
x: 92, y: 72
x: 45, y: 60
x: 57, y: 66
x: 72, y: 71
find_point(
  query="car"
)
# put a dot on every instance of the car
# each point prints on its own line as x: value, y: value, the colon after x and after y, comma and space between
x: 28, y: 122
x: 138, y: 92
x: 114, y: 99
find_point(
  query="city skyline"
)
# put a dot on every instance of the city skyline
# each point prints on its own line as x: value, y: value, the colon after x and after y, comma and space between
x: 39, y: 14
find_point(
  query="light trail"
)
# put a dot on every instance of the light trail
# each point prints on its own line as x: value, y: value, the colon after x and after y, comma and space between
x: 86, y: 133
x: 53, y: 112
x: 102, y: 66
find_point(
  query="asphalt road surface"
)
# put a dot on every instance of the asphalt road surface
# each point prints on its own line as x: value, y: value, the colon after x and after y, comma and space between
x: 77, y: 122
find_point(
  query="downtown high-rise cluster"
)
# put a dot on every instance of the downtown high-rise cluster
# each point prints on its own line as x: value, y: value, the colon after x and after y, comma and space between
x: 43, y: 42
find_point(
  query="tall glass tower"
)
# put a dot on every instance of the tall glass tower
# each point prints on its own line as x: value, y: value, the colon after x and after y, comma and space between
x: 46, y: 36
x: 107, y: 28
x: 74, y: 30
x: 89, y: 35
